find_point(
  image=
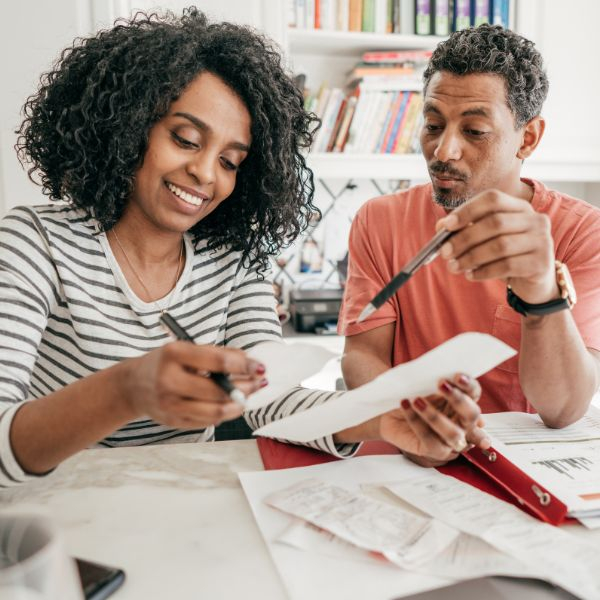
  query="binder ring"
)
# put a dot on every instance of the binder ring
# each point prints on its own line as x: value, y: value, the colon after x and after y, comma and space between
x: 491, y: 456
x: 543, y: 497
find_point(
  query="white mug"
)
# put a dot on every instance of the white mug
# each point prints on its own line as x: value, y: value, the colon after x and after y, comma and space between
x: 33, y: 561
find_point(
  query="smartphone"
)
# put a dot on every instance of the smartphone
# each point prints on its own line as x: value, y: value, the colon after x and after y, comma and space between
x: 98, y: 581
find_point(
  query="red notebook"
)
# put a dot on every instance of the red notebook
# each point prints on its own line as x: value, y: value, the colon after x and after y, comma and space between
x: 489, y: 471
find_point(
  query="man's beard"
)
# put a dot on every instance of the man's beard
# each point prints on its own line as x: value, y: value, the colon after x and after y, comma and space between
x: 447, y: 200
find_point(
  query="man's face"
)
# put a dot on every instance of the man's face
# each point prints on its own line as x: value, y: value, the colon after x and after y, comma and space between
x: 469, y: 138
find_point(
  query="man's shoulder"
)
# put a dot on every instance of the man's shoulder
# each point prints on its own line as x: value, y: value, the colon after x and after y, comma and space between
x: 394, y: 206
x: 560, y: 205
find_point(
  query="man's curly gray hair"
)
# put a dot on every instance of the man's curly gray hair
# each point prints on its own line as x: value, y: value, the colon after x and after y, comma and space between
x: 493, y: 49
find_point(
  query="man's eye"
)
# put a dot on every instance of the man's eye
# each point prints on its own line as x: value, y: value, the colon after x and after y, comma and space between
x: 182, y: 141
x: 475, y: 132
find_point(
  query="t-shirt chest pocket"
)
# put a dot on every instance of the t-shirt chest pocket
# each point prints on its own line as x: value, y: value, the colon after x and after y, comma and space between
x: 507, y: 327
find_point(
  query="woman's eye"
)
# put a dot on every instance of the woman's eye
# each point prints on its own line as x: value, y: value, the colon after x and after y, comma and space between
x: 432, y: 128
x: 185, y: 143
x: 229, y: 165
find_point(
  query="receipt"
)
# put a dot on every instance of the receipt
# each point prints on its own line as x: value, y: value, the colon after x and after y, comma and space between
x: 555, y: 555
x: 470, y: 353
x: 400, y: 536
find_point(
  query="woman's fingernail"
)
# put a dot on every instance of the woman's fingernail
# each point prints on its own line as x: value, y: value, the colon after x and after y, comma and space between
x: 445, y: 387
x: 464, y: 380
x: 405, y: 404
x: 260, y: 369
x: 263, y: 382
x: 419, y: 404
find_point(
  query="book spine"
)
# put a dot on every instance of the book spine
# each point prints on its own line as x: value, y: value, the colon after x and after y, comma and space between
x: 412, y: 110
x: 318, y: 13
x: 355, y: 16
x: 360, y: 111
x: 336, y: 126
x: 499, y: 13
x: 480, y: 12
x: 423, y: 17
x: 380, y: 16
x: 342, y: 136
x: 397, y: 123
x: 443, y: 17
x: 387, y: 124
x: 368, y: 16
x: 343, y: 15
x: 309, y: 15
x: 407, y: 17
x: 462, y: 14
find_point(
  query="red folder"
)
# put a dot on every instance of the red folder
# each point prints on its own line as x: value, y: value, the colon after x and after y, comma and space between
x: 487, y: 470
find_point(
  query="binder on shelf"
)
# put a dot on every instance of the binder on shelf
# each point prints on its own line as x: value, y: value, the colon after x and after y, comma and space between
x: 487, y: 470
x: 480, y: 12
x: 424, y: 17
x: 462, y: 14
x: 444, y: 10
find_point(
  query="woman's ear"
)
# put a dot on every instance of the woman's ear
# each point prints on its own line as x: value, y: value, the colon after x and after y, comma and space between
x: 532, y: 134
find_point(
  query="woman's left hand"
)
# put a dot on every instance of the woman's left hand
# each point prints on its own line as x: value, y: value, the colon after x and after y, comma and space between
x: 434, y: 430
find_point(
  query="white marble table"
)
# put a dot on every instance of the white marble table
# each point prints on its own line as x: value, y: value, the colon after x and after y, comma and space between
x: 175, y: 518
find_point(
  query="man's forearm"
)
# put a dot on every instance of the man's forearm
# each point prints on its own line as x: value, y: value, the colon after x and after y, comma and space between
x: 557, y: 373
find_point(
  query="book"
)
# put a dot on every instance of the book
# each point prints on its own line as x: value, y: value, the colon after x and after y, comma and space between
x: 381, y: 16
x: 423, y: 17
x: 397, y: 124
x: 462, y: 14
x: 342, y: 15
x: 500, y: 13
x: 397, y: 56
x: 405, y: 135
x: 355, y: 10
x: 407, y: 17
x: 387, y: 134
x: 480, y: 12
x: 368, y: 16
x: 342, y: 135
x: 443, y: 17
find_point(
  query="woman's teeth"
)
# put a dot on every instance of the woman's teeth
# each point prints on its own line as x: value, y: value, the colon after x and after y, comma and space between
x: 185, y: 196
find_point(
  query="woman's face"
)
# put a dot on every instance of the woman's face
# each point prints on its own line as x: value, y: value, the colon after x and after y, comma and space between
x: 193, y: 155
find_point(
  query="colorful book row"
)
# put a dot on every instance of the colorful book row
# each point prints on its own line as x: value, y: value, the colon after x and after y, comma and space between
x: 367, y: 121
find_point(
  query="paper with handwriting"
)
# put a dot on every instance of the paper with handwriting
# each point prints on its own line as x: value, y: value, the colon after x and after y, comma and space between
x: 470, y: 353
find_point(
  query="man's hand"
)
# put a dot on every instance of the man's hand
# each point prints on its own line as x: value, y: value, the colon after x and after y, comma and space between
x: 501, y: 237
x: 433, y: 430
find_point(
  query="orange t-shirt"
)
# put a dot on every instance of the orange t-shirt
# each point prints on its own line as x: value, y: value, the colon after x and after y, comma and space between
x: 435, y: 305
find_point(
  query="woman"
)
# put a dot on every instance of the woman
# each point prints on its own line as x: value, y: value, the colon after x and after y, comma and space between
x: 176, y: 146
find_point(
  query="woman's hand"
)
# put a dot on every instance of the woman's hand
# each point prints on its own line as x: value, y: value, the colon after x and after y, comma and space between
x: 434, y: 430
x: 171, y: 384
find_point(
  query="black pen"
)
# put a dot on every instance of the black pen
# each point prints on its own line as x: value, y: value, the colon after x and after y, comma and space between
x: 424, y: 256
x: 221, y: 379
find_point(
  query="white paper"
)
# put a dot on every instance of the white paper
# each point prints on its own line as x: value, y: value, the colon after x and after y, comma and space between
x: 554, y: 554
x: 325, y: 577
x: 469, y: 353
x: 287, y: 365
x: 401, y: 536
x: 565, y: 461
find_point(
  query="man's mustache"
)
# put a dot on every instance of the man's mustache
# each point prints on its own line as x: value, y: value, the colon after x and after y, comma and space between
x: 440, y: 168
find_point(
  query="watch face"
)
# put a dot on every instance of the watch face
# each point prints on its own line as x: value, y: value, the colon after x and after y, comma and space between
x: 565, y: 283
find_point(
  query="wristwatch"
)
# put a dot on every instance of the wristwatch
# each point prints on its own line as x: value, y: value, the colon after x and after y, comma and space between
x: 568, y: 296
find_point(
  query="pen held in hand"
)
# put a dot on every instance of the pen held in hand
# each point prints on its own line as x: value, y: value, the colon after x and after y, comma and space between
x: 423, y: 257
x: 221, y: 379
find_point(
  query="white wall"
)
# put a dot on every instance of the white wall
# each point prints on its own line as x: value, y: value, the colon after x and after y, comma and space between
x: 32, y: 33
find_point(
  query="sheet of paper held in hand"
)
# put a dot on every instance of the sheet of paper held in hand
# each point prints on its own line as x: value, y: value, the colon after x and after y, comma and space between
x: 287, y: 365
x: 556, y: 555
x: 565, y: 461
x: 470, y: 353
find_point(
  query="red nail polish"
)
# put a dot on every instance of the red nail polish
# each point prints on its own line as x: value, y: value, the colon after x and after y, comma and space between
x: 445, y: 386
x: 260, y: 369
x: 264, y: 382
x: 405, y: 404
x: 419, y: 404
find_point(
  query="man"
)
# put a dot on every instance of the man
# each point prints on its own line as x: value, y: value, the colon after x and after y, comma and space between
x: 483, y: 93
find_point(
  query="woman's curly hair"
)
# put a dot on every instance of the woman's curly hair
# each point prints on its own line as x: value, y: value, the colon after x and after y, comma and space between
x: 493, y: 49
x: 85, y: 131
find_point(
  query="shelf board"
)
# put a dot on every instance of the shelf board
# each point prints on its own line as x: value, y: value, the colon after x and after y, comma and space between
x: 318, y: 41
x: 412, y: 166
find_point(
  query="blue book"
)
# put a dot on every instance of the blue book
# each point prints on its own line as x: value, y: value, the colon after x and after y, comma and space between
x: 499, y: 12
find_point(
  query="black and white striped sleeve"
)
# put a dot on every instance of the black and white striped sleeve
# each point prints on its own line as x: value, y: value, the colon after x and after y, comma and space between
x: 28, y: 291
x: 252, y: 319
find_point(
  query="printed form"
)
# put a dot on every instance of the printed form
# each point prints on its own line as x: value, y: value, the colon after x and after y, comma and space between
x: 565, y: 461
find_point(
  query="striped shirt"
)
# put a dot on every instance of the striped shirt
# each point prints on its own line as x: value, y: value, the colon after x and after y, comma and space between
x: 67, y: 311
